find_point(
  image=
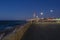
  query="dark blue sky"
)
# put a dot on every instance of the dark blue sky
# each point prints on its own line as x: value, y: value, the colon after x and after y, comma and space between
x: 22, y: 9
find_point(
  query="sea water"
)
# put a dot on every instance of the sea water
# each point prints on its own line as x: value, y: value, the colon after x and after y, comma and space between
x: 5, y: 25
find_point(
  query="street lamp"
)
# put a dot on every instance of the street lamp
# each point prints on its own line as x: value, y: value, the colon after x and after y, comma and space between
x: 51, y: 11
x: 41, y: 14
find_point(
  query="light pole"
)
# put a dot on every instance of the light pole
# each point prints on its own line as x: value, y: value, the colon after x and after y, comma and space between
x: 41, y: 15
x: 34, y: 15
x: 51, y: 11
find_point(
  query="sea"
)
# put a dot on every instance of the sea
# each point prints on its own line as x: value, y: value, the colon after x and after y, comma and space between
x: 7, y: 26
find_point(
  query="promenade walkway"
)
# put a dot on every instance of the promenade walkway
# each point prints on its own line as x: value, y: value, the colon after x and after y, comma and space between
x: 36, y: 31
x: 17, y: 33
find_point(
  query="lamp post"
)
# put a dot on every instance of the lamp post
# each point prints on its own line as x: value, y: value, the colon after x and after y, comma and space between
x: 51, y: 11
x: 41, y: 15
x: 34, y: 15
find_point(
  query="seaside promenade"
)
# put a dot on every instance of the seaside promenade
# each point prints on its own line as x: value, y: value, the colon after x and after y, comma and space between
x: 36, y: 31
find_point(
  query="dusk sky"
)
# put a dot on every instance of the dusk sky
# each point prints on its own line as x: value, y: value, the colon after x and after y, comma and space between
x: 23, y: 9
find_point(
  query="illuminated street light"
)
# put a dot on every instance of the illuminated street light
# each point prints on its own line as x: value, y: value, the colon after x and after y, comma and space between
x: 41, y: 13
x: 51, y: 10
x: 34, y: 15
